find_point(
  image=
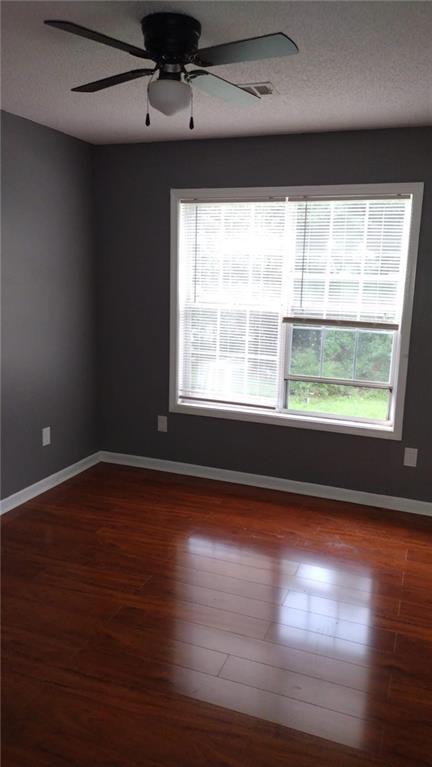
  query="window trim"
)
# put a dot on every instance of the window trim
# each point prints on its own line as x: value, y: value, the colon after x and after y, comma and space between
x: 400, y: 355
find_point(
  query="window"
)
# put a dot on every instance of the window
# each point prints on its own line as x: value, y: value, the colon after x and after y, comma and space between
x: 293, y: 306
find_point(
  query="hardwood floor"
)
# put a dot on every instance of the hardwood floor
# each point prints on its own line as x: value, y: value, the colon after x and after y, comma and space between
x: 150, y: 619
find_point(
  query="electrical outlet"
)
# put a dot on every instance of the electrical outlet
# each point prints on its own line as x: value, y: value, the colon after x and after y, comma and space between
x: 410, y: 456
x: 162, y: 423
x: 46, y: 436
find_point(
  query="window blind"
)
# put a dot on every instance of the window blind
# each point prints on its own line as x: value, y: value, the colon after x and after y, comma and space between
x: 349, y: 258
x: 244, y: 264
x: 231, y: 275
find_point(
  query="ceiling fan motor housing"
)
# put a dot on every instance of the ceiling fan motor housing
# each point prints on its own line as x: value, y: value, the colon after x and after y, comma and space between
x: 171, y: 38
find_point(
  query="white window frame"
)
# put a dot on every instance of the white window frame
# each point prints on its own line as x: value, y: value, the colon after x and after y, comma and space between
x: 400, y: 356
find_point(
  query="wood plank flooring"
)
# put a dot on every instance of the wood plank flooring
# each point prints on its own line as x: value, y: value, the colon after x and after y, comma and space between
x: 151, y: 619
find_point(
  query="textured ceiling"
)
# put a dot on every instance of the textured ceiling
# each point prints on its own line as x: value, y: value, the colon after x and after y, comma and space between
x: 361, y: 65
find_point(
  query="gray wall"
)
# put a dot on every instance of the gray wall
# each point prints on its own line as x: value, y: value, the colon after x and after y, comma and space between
x: 132, y: 186
x: 48, y: 302
x: 57, y: 192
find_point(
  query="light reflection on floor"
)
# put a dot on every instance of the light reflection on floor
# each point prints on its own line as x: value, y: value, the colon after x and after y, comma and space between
x: 335, y: 577
x: 308, y: 670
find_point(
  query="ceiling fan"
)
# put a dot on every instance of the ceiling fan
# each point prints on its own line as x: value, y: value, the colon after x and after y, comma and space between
x: 171, y: 42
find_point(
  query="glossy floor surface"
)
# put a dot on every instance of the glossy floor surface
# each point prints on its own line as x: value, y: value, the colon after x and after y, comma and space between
x: 153, y: 620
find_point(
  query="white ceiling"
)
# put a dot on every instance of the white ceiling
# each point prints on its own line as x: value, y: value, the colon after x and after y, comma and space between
x: 361, y: 65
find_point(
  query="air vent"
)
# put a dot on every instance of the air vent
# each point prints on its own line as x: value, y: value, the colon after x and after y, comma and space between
x: 259, y: 89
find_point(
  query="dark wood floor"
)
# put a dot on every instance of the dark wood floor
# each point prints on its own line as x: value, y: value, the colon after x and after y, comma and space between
x: 156, y: 620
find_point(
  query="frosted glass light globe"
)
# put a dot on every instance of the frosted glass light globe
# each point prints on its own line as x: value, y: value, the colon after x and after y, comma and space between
x: 169, y: 96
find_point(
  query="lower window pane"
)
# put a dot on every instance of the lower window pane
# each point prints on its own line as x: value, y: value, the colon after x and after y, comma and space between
x: 262, y: 380
x: 306, y: 351
x: 338, y: 353
x: 338, y: 400
x: 374, y: 352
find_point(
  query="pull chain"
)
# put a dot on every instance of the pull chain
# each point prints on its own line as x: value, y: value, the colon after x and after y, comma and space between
x: 147, y: 120
x: 191, y: 121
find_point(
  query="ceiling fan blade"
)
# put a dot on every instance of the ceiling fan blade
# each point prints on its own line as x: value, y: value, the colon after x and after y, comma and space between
x: 253, y: 49
x: 108, y: 82
x: 90, y: 34
x: 216, y: 86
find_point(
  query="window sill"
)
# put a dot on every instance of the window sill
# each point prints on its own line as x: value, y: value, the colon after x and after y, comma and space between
x: 384, y: 431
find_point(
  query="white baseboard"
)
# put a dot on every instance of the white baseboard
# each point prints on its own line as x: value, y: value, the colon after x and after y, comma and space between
x: 409, y: 505
x: 47, y: 483
x: 272, y: 483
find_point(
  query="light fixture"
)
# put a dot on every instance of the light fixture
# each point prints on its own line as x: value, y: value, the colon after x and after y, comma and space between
x: 169, y: 96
